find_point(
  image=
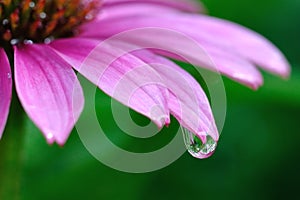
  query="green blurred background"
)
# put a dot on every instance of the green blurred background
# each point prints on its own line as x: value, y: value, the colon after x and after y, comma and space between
x: 258, y: 153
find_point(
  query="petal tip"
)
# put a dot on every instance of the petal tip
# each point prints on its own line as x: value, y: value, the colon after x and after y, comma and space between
x: 286, y: 73
x: 50, y: 138
x: 162, y: 121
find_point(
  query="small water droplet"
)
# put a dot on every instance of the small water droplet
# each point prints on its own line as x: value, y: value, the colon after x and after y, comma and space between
x: 28, y: 42
x: 48, y: 40
x: 43, y: 15
x: 31, y: 4
x: 14, y: 41
x: 196, y: 147
x: 9, y: 75
x: 89, y: 16
x: 5, y: 22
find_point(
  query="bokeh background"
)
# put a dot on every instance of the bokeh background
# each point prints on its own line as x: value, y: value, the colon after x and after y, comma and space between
x: 257, y: 157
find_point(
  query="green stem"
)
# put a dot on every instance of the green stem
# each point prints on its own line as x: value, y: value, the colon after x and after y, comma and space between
x: 11, y: 152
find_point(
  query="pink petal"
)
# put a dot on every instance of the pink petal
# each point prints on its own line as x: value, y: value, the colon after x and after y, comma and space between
x: 48, y: 90
x: 187, y: 101
x: 5, y: 89
x: 120, y: 75
x: 135, y: 9
x: 169, y: 36
x: 210, y: 33
x: 244, y: 41
x: 185, y: 5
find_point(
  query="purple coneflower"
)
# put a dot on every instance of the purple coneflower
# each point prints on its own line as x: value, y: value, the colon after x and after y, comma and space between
x: 47, y: 39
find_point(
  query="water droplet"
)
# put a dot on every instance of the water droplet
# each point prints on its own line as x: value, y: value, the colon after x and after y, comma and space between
x: 48, y: 40
x: 196, y: 147
x: 5, y: 22
x: 89, y: 16
x: 31, y: 4
x: 28, y: 42
x: 9, y: 75
x: 43, y: 15
x: 14, y: 41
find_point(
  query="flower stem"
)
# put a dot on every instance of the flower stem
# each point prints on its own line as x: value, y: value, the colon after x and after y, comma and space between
x: 11, y: 152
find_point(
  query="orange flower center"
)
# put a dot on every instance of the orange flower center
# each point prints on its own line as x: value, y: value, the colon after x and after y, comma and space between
x: 41, y: 21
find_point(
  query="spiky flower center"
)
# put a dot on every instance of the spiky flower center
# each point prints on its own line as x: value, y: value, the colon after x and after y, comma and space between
x: 41, y: 21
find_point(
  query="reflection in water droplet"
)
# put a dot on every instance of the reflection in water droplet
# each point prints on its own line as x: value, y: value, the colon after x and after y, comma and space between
x: 196, y: 147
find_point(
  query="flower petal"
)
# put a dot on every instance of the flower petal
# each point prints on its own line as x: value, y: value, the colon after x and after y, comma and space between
x: 120, y: 75
x: 244, y: 41
x: 136, y: 9
x: 216, y: 34
x: 185, y: 5
x: 48, y: 90
x: 170, y: 36
x: 5, y: 89
x: 187, y: 101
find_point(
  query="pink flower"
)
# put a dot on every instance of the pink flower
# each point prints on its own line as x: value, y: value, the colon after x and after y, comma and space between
x: 48, y: 39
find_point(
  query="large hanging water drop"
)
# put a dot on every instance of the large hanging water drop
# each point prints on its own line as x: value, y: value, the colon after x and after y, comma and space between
x: 196, y: 147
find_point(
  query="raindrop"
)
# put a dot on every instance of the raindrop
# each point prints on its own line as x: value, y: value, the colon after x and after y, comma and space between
x: 9, y: 75
x: 43, y: 15
x: 196, y: 147
x: 31, y: 4
x: 89, y: 16
x: 5, y: 22
x: 14, y: 41
x: 48, y: 40
x: 28, y: 42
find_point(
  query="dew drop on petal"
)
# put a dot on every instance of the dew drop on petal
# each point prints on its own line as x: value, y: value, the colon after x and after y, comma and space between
x: 89, y: 16
x: 31, y: 4
x: 43, y: 15
x: 28, y: 42
x: 196, y: 147
x: 9, y: 75
x: 48, y: 40
x: 14, y: 41
x: 5, y: 22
